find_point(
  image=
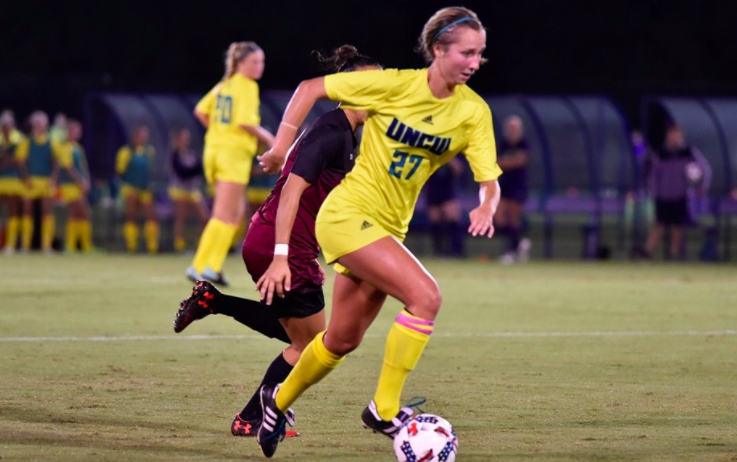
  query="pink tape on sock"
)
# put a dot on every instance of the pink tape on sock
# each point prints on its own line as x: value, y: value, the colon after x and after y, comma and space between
x: 413, y: 323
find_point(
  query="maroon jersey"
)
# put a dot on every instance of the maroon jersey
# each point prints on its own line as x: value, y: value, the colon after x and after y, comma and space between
x: 322, y: 156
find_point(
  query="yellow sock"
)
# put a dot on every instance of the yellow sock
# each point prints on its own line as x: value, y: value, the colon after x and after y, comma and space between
x: 26, y: 232
x: 11, y: 239
x: 314, y: 365
x: 71, y: 235
x: 180, y: 245
x: 130, y: 232
x: 240, y: 232
x: 151, y: 231
x: 404, y: 345
x: 221, y: 247
x: 84, y: 228
x: 207, y: 241
x: 48, y: 226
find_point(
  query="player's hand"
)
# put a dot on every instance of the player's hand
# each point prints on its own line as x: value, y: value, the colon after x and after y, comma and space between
x: 277, y: 279
x: 271, y: 161
x: 481, y: 222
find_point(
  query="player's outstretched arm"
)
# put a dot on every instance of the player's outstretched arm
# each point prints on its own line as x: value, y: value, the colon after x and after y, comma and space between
x: 481, y: 217
x: 278, y: 277
x: 262, y: 134
x: 304, y: 98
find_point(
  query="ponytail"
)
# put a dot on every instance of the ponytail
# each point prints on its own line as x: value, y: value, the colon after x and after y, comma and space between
x: 346, y: 58
x: 237, y: 52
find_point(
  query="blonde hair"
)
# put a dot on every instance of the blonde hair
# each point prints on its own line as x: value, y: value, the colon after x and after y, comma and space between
x: 441, y: 26
x: 39, y: 117
x: 7, y: 118
x: 237, y: 52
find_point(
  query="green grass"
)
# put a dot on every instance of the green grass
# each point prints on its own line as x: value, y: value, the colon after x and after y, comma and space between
x: 660, y: 395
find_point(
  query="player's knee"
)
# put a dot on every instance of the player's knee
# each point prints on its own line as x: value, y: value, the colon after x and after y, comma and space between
x: 341, y: 346
x: 427, y: 303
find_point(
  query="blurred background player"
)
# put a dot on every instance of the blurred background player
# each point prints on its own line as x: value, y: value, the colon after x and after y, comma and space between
x: 230, y: 111
x: 259, y: 188
x: 185, y: 187
x: 12, y: 179
x: 316, y: 164
x: 364, y: 220
x: 41, y: 156
x: 672, y: 171
x: 133, y: 164
x: 74, y: 183
x: 59, y: 130
x: 444, y: 211
x: 513, y: 160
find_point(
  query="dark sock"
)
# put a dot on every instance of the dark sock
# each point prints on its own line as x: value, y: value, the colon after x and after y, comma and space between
x: 457, y: 239
x: 253, y: 315
x: 436, y: 231
x: 276, y: 373
x: 514, y: 238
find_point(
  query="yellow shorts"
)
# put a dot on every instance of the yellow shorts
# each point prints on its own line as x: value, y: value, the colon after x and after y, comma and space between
x: 141, y: 194
x: 71, y: 192
x: 343, y: 230
x: 40, y: 188
x: 229, y: 165
x: 257, y: 195
x: 11, y: 187
x: 179, y: 194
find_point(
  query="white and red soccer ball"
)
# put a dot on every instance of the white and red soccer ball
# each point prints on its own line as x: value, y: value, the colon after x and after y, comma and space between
x: 426, y: 438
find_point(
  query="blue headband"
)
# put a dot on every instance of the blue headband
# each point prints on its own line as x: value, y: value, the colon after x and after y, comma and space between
x: 467, y: 18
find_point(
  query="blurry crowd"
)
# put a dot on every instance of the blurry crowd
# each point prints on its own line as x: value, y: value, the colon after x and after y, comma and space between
x: 45, y: 167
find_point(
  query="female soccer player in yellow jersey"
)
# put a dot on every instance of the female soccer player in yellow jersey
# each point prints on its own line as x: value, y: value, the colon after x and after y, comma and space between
x: 230, y: 111
x: 74, y: 182
x: 12, y: 176
x: 133, y: 164
x: 41, y: 156
x: 418, y: 120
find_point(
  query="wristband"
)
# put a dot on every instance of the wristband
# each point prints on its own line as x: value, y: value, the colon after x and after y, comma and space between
x: 281, y: 249
x: 290, y: 125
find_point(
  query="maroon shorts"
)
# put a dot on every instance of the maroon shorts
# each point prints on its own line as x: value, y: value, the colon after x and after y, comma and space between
x: 305, y: 297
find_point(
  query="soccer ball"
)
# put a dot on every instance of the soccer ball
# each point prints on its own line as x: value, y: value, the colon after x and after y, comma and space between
x: 426, y: 438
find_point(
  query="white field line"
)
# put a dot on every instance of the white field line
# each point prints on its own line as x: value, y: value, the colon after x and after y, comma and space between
x: 124, y: 338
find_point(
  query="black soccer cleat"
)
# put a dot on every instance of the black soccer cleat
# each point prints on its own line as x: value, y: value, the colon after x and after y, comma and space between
x: 198, y: 305
x: 244, y: 427
x: 373, y: 421
x: 273, y: 426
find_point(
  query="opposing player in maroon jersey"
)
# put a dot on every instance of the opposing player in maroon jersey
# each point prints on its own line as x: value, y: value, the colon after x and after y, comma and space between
x: 316, y: 164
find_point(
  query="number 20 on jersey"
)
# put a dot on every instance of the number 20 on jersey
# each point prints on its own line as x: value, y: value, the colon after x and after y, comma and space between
x: 224, y: 108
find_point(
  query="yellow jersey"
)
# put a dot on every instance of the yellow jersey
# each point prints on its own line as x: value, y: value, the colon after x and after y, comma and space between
x: 134, y: 165
x: 39, y: 152
x: 229, y: 105
x: 408, y: 135
x: 14, y: 139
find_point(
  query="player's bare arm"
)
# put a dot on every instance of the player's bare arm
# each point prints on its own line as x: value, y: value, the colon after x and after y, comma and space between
x: 278, y: 277
x: 481, y: 217
x: 304, y: 98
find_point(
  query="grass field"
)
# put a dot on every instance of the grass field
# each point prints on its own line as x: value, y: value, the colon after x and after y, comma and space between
x: 542, y: 362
